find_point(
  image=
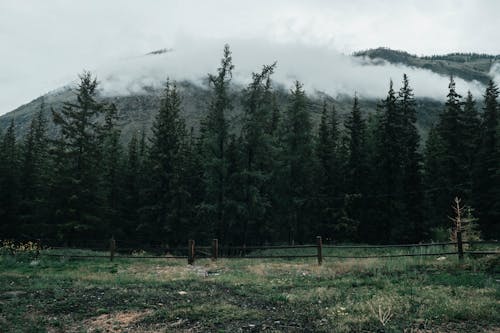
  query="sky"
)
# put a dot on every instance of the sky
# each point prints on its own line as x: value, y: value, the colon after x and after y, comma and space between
x: 45, y: 44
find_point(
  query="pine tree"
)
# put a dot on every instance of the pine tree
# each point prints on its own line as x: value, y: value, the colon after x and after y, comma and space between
x: 355, y: 169
x: 327, y: 176
x: 411, y: 225
x: 9, y: 182
x: 356, y: 128
x: 215, y: 132
x: 487, y: 170
x: 79, y: 209
x: 471, y: 131
x: 112, y: 172
x: 445, y: 168
x: 298, y: 159
x: 166, y: 162
x: 34, y: 175
x: 257, y: 142
x: 450, y: 130
x: 272, y: 230
x: 236, y: 204
x: 471, y: 135
x: 388, y: 156
x: 132, y: 186
x: 193, y: 181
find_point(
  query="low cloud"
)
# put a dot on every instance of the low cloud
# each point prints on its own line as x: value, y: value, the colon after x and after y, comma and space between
x: 494, y: 73
x: 318, y: 68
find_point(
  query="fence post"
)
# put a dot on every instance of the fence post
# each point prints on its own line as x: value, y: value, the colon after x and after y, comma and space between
x: 112, y: 248
x: 319, y: 244
x: 215, y: 249
x: 190, y: 252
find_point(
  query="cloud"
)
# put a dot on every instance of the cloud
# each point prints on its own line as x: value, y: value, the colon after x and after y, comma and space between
x: 46, y: 43
x: 494, y: 73
x: 318, y: 68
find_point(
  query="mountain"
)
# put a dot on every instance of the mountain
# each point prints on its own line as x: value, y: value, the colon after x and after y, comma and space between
x: 468, y: 66
x: 136, y: 110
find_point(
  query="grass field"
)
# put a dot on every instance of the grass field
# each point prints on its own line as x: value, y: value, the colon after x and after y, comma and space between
x: 249, y: 295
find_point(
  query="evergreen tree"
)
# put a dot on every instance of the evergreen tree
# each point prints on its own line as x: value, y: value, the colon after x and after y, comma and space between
x: 236, y: 204
x: 434, y: 182
x: 132, y: 186
x: 355, y: 169
x: 34, y: 176
x: 298, y: 159
x: 167, y: 192
x: 193, y: 179
x: 112, y: 172
x: 410, y: 227
x: 356, y: 128
x: 273, y: 185
x: 450, y: 130
x: 79, y: 208
x: 389, y: 153
x: 257, y: 142
x: 487, y: 170
x: 9, y: 182
x: 445, y: 167
x: 327, y: 176
x: 215, y: 141
x: 472, y: 131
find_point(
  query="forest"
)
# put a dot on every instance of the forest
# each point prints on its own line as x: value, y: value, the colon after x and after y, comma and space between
x: 277, y: 179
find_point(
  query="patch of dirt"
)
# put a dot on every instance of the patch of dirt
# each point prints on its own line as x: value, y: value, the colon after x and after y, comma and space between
x: 113, y: 322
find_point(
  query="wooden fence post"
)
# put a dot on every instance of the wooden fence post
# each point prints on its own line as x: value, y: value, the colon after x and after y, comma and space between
x: 112, y: 248
x: 190, y: 252
x: 215, y: 249
x: 319, y: 244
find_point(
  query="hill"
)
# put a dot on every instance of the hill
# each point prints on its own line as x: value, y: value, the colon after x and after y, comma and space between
x: 136, y: 110
x: 468, y: 66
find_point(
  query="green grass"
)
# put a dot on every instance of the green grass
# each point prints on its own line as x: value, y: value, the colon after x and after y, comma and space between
x: 231, y: 295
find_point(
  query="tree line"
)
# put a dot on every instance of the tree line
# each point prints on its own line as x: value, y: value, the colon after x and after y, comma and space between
x: 278, y: 178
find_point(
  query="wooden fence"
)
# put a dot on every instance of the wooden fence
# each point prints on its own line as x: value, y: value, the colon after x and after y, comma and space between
x: 214, y: 251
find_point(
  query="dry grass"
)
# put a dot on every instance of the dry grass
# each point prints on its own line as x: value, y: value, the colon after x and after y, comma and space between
x: 249, y: 295
x: 113, y: 323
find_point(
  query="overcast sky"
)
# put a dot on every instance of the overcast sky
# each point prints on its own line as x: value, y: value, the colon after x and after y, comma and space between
x: 44, y: 44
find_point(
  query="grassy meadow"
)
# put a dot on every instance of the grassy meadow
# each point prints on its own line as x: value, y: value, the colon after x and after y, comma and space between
x: 414, y: 294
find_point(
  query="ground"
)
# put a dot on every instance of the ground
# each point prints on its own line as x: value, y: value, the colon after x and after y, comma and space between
x: 249, y: 295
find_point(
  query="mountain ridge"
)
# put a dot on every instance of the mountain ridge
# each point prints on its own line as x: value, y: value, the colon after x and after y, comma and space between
x: 136, y: 111
x: 468, y: 66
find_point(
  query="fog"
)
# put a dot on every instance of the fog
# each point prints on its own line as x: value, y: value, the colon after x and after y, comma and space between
x: 47, y: 43
x: 318, y: 68
x: 495, y: 73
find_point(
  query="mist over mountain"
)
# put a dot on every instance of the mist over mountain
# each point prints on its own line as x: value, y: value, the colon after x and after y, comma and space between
x: 135, y: 84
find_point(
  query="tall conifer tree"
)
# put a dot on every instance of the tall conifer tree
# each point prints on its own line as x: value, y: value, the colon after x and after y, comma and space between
x: 257, y: 150
x: 487, y: 170
x: 9, y: 182
x: 167, y: 192
x: 215, y: 133
x: 298, y: 159
x: 411, y: 226
x: 78, y: 173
